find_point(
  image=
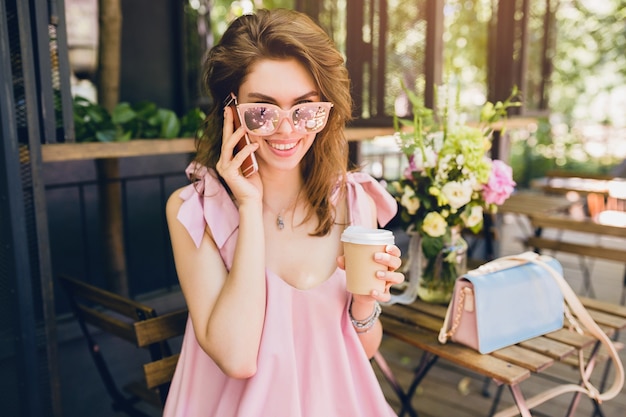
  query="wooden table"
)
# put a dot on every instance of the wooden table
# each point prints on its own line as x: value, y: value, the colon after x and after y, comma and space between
x: 418, y: 324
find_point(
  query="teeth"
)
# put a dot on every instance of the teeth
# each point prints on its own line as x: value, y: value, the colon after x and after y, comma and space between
x: 283, y: 146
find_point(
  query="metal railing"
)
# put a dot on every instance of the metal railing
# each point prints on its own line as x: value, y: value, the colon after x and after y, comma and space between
x: 76, y: 236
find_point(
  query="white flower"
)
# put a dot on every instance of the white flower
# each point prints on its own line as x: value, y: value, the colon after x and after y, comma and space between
x: 474, y: 218
x: 436, y: 139
x: 410, y: 201
x: 458, y: 194
x: 434, y: 224
x: 422, y: 163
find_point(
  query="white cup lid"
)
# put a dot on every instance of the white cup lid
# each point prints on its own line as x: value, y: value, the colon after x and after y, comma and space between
x: 367, y: 236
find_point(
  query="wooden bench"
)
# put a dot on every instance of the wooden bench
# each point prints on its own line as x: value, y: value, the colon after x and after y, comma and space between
x: 137, y: 324
x: 583, y: 248
x: 418, y: 325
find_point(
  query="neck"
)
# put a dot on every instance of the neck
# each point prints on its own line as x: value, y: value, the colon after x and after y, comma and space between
x: 280, y: 193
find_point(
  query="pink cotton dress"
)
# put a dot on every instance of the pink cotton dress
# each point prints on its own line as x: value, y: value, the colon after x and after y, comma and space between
x: 310, y: 363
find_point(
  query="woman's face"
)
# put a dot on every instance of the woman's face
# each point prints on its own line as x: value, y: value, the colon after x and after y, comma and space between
x: 283, y: 83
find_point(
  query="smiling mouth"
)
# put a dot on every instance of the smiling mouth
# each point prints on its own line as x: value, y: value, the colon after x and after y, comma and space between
x: 283, y: 146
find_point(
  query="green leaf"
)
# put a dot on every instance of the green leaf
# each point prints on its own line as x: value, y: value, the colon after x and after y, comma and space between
x: 145, y: 109
x: 123, y: 113
x: 431, y: 246
x: 170, y: 125
x: 106, y: 135
x: 123, y: 137
x: 96, y: 114
x: 191, y: 123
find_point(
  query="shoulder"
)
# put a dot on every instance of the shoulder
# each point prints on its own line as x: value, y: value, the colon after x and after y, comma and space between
x: 174, y: 202
x: 203, y: 203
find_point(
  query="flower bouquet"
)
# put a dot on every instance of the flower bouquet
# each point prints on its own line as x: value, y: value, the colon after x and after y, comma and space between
x: 448, y: 186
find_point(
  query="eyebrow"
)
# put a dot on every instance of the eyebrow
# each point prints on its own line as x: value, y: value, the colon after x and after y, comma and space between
x: 260, y: 96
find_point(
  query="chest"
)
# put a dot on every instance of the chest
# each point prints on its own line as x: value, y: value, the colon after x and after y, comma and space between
x: 301, y: 260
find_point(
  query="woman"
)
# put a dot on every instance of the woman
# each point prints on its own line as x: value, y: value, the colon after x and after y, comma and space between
x: 272, y: 330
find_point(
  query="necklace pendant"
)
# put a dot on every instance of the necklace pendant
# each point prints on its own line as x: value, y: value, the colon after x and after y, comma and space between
x: 279, y: 222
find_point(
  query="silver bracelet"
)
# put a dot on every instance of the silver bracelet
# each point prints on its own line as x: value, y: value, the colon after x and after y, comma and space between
x: 365, y: 325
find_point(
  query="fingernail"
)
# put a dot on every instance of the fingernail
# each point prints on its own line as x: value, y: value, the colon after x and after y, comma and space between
x: 378, y: 256
x: 380, y: 274
x: 375, y: 293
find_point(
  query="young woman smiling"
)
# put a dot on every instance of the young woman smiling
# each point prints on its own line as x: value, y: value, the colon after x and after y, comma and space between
x: 272, y: 330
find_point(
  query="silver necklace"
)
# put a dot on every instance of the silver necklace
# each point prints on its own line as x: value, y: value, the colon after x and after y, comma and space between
x: 280, y: 222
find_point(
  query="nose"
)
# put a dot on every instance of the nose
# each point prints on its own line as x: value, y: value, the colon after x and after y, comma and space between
x: 285, y: 125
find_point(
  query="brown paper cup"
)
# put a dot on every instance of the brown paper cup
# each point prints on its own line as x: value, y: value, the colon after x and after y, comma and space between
x: 359, y: 246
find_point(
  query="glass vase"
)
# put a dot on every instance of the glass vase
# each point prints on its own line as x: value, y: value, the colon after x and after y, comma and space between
x: 437, y: 275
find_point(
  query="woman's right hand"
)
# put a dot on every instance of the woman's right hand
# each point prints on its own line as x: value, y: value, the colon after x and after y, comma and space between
x: 229, y: 166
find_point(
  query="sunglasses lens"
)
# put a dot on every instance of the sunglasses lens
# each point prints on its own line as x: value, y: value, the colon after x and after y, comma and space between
x: 309, y: 118
x: 261, y: 120
x: 264, y: 119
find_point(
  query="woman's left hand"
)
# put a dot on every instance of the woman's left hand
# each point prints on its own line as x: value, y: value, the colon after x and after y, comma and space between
x: 390, y: 259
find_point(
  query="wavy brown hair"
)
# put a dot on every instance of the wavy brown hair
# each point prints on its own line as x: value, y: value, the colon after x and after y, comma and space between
x: 284, y: 34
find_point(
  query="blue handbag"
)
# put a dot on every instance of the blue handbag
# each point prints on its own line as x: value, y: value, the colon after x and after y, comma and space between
x: 518, y: 297
x: 504, y: 302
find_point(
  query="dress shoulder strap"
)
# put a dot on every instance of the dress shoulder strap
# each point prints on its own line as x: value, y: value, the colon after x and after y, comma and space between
x: 359, y: 185
x: 208, y: 204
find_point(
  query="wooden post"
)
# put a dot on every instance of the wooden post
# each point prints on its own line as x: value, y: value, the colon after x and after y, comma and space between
x: 109, y: 187
x: 434, y: 50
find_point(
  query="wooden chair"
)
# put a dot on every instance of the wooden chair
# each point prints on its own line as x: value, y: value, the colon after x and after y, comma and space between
x: 136, y: 323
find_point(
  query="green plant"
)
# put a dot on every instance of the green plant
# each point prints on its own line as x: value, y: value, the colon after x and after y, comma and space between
x: 143, y: 120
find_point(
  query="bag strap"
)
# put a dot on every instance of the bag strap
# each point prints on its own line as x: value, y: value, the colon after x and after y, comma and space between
x: 583, y: 316
x: 444, y: 333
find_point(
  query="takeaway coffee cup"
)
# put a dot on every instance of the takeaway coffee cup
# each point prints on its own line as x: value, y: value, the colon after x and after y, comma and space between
x: 359, y: 245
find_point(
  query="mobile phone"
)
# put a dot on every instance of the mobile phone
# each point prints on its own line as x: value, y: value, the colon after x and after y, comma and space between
x: 249, y: 165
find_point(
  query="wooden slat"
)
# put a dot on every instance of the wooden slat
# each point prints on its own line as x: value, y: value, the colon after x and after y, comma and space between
x: 607, y: 319
x: 547, y: 220
x: 411, y: 317
x: 529, y: 203
x: 602, y: 355
x: 107, y: 299
x: 576, y: 248
x: 557, y: 173
x: 592, y: 303
x: 160, y: 328
x: 571, y: 338
x: 529, y: 359
x: 161, y: 371
x: 108, y: 324
x: 94, y: 150
x: 558, y: 181
x: 549, y: 347
x: 486, y: 365
x: 58, y: 152
x: 435, y: 310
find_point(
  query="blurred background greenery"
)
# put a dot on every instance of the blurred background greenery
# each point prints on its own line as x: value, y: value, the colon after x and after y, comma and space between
x: 585, y: 129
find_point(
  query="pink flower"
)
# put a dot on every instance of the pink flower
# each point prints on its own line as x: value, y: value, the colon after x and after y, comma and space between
x: 408, y: 172
x: 500, y: 184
